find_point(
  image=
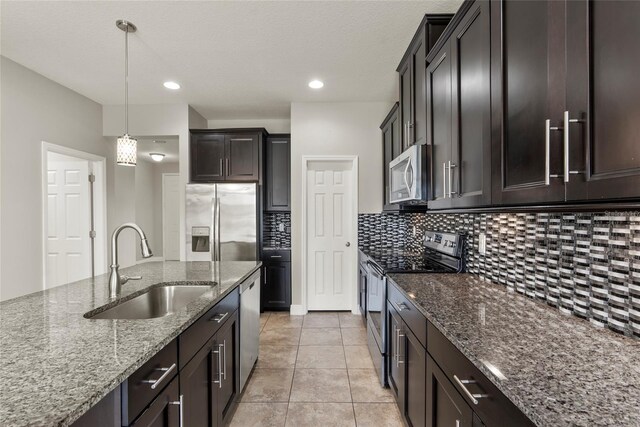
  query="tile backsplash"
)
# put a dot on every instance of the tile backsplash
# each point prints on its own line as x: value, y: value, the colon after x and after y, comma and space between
x: 585, y: 264
x: 276, y: 230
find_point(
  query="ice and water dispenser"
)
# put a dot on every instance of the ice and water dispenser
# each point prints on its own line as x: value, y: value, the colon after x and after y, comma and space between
x: 200, y: 238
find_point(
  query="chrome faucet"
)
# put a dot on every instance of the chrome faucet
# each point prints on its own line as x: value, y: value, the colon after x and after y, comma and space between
x: 115, y: 280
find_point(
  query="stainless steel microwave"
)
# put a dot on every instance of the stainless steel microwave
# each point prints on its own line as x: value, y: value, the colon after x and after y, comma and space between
x: 406, y: 173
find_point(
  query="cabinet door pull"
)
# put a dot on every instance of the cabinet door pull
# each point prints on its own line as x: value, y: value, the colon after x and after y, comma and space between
x: 451, y: 192
x: 218, y: 317
x: 180, y: 403
x: 547, y: 151
x: 218, y: 353
x: 221, y: 168
x: 473, y: 397
x: 224, y: 356
x: 398, y: 361
x: 228, y: 167
x: 567, y: 122
x: 444, y: 180
x: 156, y: 383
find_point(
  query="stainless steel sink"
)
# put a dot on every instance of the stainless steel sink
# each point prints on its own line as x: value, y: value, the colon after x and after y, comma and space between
x: 156, y: 302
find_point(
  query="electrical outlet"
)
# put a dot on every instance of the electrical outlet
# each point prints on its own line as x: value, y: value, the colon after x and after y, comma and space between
x: 482, y: 244
x: 281, y: 227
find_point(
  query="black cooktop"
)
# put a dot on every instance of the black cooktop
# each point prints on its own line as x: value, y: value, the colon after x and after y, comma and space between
x: 393, y: 262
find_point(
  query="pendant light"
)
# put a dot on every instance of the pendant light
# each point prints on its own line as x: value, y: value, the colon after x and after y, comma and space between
x: 126, y: 151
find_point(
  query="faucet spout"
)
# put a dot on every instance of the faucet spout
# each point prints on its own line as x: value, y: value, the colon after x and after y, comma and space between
x: 115, y: 280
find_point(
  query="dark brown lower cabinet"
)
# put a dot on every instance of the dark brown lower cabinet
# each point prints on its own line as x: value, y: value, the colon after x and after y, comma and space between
x: 209, y: 382
x: 276, y: 280
x: 228, y: 341
x: 165, y: 409
x: 406, y: 369
x: 197, y: 386
x: 445, y: 406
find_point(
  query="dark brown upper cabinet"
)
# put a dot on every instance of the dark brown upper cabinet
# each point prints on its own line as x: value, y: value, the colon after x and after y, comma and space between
x: 208, y: 155
x: 527, y: 40
x: 231, y: 155
x: 602, y: 119
x: 391, y: 148
x: 413, y: 115
x: 278, y: 173
x: 459, y: 112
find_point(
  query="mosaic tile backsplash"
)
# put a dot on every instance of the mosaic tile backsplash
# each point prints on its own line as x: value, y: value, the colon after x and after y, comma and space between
x: 585, y: 264
x: 272, y: 236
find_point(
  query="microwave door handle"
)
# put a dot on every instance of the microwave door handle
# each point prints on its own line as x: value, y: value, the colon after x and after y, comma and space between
x: 406, y: 181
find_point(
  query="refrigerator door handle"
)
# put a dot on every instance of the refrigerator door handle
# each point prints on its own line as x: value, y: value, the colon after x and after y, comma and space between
x: 217, y: 235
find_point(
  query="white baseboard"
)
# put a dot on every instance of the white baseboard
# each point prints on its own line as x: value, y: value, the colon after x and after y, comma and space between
x: 297, y: 310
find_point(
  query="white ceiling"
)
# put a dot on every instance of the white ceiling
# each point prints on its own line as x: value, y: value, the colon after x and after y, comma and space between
x: 234, y: 59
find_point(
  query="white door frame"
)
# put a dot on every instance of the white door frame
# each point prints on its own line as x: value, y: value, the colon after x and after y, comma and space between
x: 354, y: 224
x: 164, y: 229
x: 98, y: 166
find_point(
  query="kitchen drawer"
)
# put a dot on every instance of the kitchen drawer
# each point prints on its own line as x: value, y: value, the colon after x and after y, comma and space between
x: 495, y: 409
x: 199, y: 333
x: 408, y: 312
x: 276, y: 255
x: 148, y: 381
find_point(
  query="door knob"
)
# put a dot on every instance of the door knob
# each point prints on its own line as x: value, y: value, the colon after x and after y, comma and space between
x: 348, y: 244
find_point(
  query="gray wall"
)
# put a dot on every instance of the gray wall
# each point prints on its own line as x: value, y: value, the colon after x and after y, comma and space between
x: 34, y: 109
x: 334, y: 129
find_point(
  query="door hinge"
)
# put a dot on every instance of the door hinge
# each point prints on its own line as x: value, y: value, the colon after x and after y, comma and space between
x: 92, y: 178
x: 92, y: 234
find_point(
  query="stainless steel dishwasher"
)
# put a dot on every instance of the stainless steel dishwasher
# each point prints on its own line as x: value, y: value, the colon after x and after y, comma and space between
x: 249, y: 325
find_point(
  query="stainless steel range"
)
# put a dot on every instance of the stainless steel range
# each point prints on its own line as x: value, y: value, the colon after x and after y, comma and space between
x: 442, y: 254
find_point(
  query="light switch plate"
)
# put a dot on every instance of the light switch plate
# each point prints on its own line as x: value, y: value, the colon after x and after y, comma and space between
x: 482, y: 244
x: 414, y: 231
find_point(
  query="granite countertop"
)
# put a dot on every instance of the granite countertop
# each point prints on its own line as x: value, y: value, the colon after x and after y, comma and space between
x: 56, y: 364
x: 560, y: 370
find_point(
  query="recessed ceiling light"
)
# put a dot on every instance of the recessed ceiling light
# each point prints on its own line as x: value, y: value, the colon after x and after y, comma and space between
x: 157, y: 157
x: 315, y: 84
x: 172, y: 85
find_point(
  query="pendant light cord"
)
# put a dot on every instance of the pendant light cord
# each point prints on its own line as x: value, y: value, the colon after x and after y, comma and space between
x: 126, y: 79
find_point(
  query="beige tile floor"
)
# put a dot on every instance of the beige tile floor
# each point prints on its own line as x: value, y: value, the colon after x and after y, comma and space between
x: 315, y: 370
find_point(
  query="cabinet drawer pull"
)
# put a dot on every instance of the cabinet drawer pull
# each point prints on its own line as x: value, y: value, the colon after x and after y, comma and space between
x: 462, y: 383
x: 181, y: 404
x: 156, y: 383
x: 218, y: 317
x: 275, y: 256
x: 400, y: 306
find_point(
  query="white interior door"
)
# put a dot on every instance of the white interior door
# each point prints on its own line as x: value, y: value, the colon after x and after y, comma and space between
x: 171, y: 216
x: 330, y: 238
x: 68, y: 221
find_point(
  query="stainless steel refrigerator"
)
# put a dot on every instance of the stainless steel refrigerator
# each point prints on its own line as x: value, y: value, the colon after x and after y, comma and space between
x: 222, y: 222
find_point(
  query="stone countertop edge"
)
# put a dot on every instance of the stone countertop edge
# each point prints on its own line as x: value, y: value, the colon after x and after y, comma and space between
x: 98, y: 390
x: 535, y: 411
